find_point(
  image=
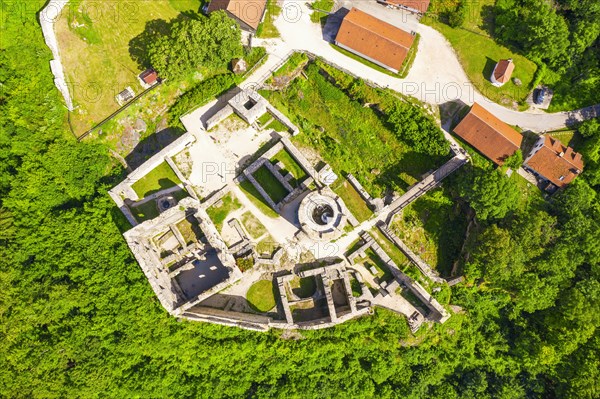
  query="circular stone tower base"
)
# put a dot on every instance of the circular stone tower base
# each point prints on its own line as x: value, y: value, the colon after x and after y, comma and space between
x: 321, y: 215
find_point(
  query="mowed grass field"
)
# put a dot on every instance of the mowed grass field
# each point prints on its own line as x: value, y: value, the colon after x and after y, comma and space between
x: 478, y: 53
x: 94, y: 44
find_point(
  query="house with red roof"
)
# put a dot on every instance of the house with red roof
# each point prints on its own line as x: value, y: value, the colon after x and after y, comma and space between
x: 374, y: 40
x: 502, y: 72
x: 553, y: 162
x: 488, y: 134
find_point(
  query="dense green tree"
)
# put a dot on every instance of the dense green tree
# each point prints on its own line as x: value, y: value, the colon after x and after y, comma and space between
x: 206, y: 42
x: 536, y: 27
x: 79, y: 319
x: 417, y: 129
x: 490, y: 193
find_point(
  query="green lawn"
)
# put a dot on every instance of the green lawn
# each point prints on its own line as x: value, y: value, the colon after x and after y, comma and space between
x: 565, y: 136
x: 261, y: 297
x: 355, y: 203
x: 270, y: 184
x: 479, y: 53
x: 159, y: 178
x: 94, y: 44
x: 267, y: 246
x: 290, y: 165
x: 264, y: 119
x: 267, y: 28
x: 146, y: 211
x: 190, y: 229
x: 350, y: 137
x: 257, y: 199
x: 304, y: 287
x: 218, y: 214
x: 277, y: 126
x: 252, y: 225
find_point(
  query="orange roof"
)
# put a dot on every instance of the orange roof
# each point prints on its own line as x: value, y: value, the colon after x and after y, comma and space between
x: 488, y: 134
x: 504, y: 70
x: 374, y: 38
x: 559, y: 169
x: 149, y: 76
x: 248, y: 11
x: 419, y: 5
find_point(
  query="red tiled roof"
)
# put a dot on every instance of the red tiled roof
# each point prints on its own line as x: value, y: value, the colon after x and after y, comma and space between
x: 559, y: 169
x: 504, y: 70
x: 488, y: 134
x: 248, y: 11
x: 419, y: 5
x: 374, y: 38
x: 149, y: 76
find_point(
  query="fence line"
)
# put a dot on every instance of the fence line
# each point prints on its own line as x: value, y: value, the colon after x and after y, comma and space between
x: 117, y: 112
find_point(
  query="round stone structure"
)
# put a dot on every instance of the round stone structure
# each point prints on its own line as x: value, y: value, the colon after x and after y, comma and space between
x: 321, y: 215
x: 165, y: 202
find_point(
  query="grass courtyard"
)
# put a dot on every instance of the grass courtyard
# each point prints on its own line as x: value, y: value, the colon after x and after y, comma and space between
x: 355, y: 203
x: 478, y: 52
x: 158, y: 179
x: 290, y: 165
x: 254, y: 196
x: 434, y: 228
x: 219, y: 211
x: 253, y: 226
x: 273, y: 187
x: 260, y: 296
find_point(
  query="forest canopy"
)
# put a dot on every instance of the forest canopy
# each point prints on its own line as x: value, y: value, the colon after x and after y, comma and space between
x: 80, y: 320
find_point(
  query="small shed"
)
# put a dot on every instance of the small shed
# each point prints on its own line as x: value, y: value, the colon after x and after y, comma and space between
x: 148, y: 78
x: 502, y: 72
x: 125, y: 96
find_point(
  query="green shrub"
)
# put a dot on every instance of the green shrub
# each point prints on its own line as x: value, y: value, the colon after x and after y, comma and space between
x: 458, y: 16
x: 199, y: 95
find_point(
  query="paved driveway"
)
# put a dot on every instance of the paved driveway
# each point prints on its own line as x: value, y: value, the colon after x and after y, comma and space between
x: 436, y: 76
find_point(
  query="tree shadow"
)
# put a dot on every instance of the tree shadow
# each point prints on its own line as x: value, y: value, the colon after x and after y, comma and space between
x: 139, y: 45
x: 151, y: 145
x: 490, y: 64
x: 413, y: 164
x: 451, y: 113
x: 488, y: 19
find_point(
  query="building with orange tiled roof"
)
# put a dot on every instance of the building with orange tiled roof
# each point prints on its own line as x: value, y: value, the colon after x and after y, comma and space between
x: 374, y: 40
x: 502, y: 72
x: 554, y: 162
x: 488, y: 134
x: 248, y: 13
x: 417, y: 6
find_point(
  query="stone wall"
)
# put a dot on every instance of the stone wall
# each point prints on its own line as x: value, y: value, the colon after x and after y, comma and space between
x: 414, y: 258
x: 438, y: 312
x: 123, y: 190
x: 48, y: 16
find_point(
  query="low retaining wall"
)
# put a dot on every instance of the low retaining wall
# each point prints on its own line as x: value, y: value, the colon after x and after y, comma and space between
x: 48, y: 17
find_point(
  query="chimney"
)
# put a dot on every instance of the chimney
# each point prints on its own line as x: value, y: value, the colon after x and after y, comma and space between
x: 561, y: 154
